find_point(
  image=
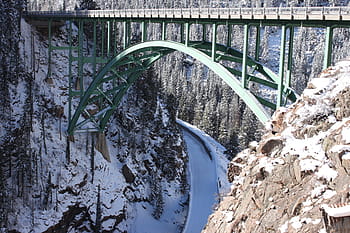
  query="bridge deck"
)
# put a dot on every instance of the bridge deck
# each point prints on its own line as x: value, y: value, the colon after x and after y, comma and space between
x: 287, y: 13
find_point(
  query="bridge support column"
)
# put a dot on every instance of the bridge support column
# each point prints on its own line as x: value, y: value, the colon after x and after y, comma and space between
x: 229, y: 36
x: 281, y: 67
x: 213, y: 45
x: 70, y: 78
x: 182, y: 29
x: 143, y: 31
x: 328, y: 48
x: 80, y: 57
x: 257, y: 43
x: 102, y: 38
x: 187, y: 33
x: 108, y: 39
x: 126, y: 36
x: 163, y: 30
x: 245, y: 56
x: 94, y: 49
x: 290, y: 57
x: 204, y: 36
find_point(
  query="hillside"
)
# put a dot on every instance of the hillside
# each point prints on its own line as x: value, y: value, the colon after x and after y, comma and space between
x: 300, y: 166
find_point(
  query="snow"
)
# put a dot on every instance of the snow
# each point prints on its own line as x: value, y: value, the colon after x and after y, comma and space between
x: 295, y: 222
x: 309, y: 164
x: 327, y: 173
x: 146, y: 223
x: 328, y: 194
x: 346, y: 134
x: 316, y: 192
x: 284, y: 228
x: 346, y: 156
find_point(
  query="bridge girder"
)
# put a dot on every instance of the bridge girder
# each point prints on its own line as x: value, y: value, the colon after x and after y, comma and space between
x: 109, y: 86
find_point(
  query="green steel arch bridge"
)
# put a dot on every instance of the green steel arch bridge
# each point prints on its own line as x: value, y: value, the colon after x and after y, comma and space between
x: 115, y: 69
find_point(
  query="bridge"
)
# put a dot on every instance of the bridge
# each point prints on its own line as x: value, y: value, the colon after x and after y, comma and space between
x: 116, y: 66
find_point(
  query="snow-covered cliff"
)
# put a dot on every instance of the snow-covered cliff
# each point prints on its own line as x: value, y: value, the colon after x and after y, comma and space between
x: 300, y: 166
x: 51, y: 184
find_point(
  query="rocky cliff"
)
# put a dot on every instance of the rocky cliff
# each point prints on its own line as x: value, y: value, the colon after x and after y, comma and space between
x: 300, y: 165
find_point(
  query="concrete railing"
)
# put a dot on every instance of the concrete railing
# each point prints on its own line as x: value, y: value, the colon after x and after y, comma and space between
x: 288, y: 13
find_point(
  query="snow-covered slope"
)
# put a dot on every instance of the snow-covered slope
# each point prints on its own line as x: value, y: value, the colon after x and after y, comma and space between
x: 60, y: 184
x: 300, y: 166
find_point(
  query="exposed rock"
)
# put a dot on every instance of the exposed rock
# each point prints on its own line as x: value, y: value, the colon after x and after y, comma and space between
x: 101, y: 146
x: 127, y: 173
x: 272, y: 145
x: 301, y: 163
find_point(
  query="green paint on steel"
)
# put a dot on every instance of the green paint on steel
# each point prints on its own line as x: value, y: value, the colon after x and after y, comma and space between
x: 281, y: 66
x: 204, y: 28
x: 328, y: 48
x: 229, y: 35
x: 164, y: 24
x: 143, y: 31
x: 257, y: 43
x: 108, y: 38
x: 290, y: 57
x: 245, y: 56
x: 80, y: 57
x: 213, y: 47
x: 157, y: 49
x: 187, y: 33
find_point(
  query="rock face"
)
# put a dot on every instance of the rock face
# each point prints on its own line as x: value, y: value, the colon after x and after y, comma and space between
x: 301, y: 163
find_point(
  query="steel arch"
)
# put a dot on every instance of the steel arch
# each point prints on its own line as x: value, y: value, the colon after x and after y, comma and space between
x: 108, y: 87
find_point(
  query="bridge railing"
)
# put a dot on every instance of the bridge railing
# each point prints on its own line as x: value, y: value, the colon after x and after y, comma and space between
x: 331, y: 13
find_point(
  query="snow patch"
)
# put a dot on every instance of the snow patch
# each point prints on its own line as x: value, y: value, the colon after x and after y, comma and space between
x: 346, y: 134
x: 327, y: 173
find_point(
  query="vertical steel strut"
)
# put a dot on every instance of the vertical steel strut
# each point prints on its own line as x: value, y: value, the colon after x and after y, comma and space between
x: 328, y: 47
x: 229, y: 35
x: 204, y: 36
x: 108, y: 38
x: 281, y: 67
x: 164, y: 30
x: 80, y: 57
x: 182, y: 33
x: 143, y: 31
x: 245, y: 56
x: 187, y: 33
x: 70, y: 78
x: 213, y: 44
x: 290, y: 57
x: 257, y: 43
